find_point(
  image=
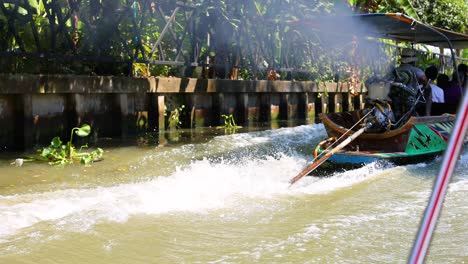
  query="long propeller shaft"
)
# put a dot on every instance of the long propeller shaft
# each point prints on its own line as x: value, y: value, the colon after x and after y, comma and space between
x: 327, y: 155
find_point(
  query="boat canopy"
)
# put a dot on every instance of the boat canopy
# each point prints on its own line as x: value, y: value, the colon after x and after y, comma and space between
x: 393, y: 26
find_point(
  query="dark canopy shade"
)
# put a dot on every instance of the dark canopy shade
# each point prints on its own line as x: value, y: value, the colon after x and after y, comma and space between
x: 394, y: 26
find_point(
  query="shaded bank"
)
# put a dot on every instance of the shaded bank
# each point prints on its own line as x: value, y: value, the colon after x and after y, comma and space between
x: 224, y: 199
x: 35, y: 108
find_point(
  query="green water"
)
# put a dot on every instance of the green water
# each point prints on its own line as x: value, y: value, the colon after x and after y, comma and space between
x: 208, y: 197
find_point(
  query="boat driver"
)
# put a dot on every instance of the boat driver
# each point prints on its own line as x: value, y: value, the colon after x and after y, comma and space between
x: 408, y: 88
x: 397, y: 95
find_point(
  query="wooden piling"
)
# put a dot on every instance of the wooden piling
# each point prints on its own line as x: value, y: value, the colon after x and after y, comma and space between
x: 121, y: 106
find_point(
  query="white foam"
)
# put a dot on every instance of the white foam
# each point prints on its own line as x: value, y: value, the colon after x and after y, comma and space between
x: 200, y: 186
x: 284, y: 136
x: 314, y: 185
x: 196, y: 188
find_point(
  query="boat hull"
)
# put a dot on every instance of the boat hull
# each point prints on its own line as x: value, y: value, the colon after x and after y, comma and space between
x: 420, y: 139
x: 355, y: 159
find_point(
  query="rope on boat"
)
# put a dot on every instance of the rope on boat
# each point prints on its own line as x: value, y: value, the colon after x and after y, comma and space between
x: 452, y: 153
x: 345, y: 133
x: 327, y: 155
x: 318, y: 160
x: 323, y: 158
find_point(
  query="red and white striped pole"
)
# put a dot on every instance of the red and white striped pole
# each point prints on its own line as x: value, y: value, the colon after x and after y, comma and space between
x: 421, y: 244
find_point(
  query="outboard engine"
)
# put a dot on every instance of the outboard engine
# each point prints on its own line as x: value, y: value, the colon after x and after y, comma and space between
x: 378, y: 88
x: 378, y: 101
x: 381, y: 117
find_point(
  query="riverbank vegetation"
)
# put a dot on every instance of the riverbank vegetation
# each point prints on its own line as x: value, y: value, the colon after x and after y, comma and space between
x: 230, y: 126
x: 174, y: 117
x: 198, y: 38
x: 60, y: 153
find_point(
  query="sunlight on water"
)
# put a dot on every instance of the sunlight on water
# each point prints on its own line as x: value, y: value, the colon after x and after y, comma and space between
x: 242, y: 174
x: 199, y: 186
x: 311, y: 185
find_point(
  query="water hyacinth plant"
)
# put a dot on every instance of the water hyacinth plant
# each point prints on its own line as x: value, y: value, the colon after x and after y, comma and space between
x: 58, y: 153
x: 174, y: 117
x: 230, y: 125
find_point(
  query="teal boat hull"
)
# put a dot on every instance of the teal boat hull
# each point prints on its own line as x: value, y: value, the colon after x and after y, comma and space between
x: 420, y: 140
x: 398, y: 158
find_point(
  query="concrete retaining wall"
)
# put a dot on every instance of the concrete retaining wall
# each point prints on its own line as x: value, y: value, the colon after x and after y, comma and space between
x: 35, y: 108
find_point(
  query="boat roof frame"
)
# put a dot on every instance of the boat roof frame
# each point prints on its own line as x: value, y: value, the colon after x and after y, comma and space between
x: 391, y: 26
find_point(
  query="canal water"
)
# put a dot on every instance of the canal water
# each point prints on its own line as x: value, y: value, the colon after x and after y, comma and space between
x: 207, y: 196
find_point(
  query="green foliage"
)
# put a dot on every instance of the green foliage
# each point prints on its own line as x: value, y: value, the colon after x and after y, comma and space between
x: 230, y: 125
x: 465, y: 53
x: 58, y: 153
x: 117, y: 37
x: 141, y: 69
x: 160, y: 70
x: 447, y: 14
x: 247, y: 32
x: 426, y: 59
x: 174, y: 117
x: 245, y: 74
x: 398, y: 6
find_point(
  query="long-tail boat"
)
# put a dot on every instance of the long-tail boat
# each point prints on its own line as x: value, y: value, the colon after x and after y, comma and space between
x: 368, y: 135
x: 419, y: 139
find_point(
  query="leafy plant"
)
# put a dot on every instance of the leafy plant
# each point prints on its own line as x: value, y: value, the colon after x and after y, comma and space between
x: 160, y: 70
x: 96, y: 36
x: 229, y: 123
x: 58, y: 153
x: 141, y: 69
x: 174, y: 117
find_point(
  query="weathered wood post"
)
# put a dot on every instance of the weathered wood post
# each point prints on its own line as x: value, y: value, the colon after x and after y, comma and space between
x: 228, y: 106
x: 138, y: 116
x: 265, y: 107
x: 275, y: 102
x: 311, y: 112
x: 199, y: 107
x: 11, y: 134
x: 324, y: 97
x: 26, y: 103
x: 291, y: 101
x: 122, y: 100
x: 349, y: 100
x: 252, y: 108
x: 302, y: 106
x: 161, y: 113
x: 338, y: 97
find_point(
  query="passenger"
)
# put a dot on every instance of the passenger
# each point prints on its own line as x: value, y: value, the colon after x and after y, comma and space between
x: 463, y: 68
x: 455, y: 89
x: 443, y: 81
x: 437, y: 92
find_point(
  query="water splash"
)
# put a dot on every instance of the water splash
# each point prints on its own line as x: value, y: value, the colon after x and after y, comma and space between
x: 222, y: 180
